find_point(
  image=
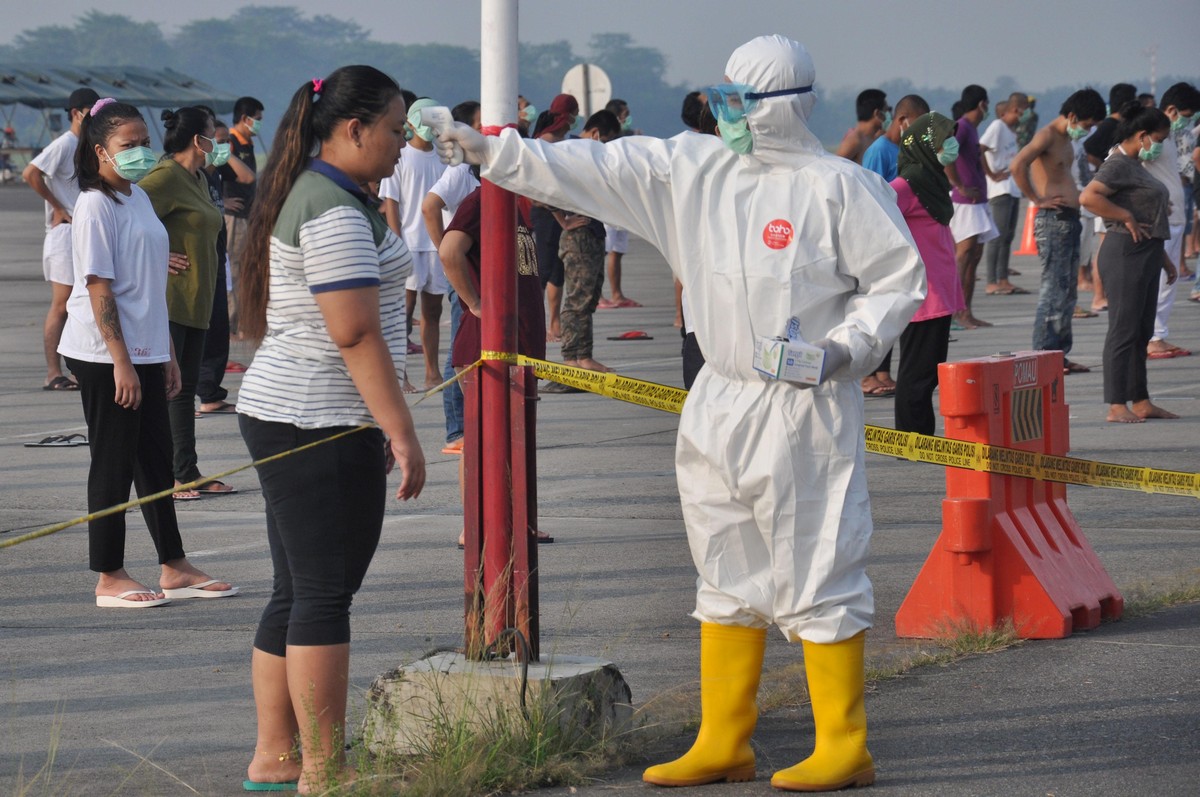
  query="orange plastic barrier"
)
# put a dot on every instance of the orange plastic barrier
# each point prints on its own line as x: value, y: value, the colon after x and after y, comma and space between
x: 1028, y: 242
x: 1009, y: 547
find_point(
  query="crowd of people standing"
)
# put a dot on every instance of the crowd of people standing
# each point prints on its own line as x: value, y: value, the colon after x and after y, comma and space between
x: 356, y: 226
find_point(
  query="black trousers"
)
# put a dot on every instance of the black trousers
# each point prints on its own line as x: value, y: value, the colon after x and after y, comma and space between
x: 324, y: 516
x: 189, y: 351
x: 1130, y: 273
x: 923, y: 346
x: 216, y: 346
x: 128, y: 447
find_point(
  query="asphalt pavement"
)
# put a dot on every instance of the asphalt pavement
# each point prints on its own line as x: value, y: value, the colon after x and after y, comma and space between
x: 158, y: 702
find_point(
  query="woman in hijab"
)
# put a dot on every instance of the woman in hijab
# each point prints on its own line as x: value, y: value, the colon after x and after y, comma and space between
x: 923, y: 195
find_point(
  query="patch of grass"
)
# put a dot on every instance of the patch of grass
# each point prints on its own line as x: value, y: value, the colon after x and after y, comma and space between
x: 40, y: 782
x: 1147, y: 598
x: 487, y: 749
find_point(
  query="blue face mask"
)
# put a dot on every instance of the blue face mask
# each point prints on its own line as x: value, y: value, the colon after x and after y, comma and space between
x: 737, y: 136
x: 949, y: 153
x: 887, y: 120
x: 133, y: 164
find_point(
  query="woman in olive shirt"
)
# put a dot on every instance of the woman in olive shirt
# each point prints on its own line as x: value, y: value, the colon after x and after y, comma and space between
x: 179, y: 193
x: 1134, y: 206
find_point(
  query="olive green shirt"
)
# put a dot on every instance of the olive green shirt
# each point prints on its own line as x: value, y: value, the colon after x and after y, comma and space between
x: 182, y: 202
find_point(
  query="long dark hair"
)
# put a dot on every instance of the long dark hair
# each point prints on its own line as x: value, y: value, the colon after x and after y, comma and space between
x: 1137, y: 119
x: 350, y: 92
x: 182, y: 126
x: 95, y: 130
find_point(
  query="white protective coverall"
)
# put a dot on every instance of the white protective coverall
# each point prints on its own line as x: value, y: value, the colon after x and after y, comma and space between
x: 771, y: 476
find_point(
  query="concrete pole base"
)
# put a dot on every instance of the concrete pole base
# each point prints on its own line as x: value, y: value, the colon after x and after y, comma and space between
x: 406, y: 706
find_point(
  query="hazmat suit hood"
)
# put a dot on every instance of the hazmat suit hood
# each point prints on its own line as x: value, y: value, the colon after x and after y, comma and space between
x: 778, y: 124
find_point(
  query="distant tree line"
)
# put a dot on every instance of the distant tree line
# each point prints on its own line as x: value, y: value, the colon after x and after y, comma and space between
x: 268, y: 51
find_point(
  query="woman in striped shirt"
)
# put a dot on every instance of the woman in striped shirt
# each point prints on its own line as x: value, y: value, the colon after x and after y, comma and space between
x: 323, y: 288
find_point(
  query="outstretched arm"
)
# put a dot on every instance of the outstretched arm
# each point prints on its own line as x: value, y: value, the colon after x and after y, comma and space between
x: 624, y: 183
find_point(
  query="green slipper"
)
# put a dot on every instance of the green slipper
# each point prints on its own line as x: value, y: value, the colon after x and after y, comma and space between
x: 254, y: 785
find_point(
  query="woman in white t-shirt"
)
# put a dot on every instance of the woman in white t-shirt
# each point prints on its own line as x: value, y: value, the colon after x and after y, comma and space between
x: 322, y: 285
x: 117, y: 344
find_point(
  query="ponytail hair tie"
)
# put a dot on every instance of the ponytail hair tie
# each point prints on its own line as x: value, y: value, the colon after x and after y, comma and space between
x: 100, y: 104
x: 317, y: 84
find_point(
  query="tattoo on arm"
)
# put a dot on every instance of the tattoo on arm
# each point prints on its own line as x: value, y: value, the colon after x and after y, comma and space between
x: 109, y: 320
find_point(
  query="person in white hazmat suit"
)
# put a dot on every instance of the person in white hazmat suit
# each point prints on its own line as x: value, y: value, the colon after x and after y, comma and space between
x: 760, y: 228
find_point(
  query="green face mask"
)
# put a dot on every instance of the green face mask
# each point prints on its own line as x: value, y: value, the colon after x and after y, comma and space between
x: 255, y: 126
x: 737, y: 136
x: 219, y: 155
x: 529, y: 114
x: 1180, y: 122
x: 1152, y: 154
x: 627, y: 125
x: 133, y: 164
x: 1076, y: 132
x: 949, y: 153
x: 887, y: 120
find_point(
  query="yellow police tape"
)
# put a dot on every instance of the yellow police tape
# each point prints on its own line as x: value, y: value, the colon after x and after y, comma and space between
x: 889, y: 442
x: 880, y: 440
x: 203, y: 480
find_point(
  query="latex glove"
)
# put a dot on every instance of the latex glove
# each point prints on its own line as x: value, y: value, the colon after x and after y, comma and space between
x: 836, y: 356
x: 462, y: 142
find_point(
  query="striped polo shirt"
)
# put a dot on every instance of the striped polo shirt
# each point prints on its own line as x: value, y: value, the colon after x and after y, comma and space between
x: 328, y: 237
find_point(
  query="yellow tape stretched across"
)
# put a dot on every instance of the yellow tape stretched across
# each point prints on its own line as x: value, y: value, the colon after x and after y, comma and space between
x: 880, y: 440
x: 112, y: 510
x: 890, y: 442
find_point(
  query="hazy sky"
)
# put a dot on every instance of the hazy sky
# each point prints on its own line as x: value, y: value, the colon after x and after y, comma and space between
x: 857, y: 43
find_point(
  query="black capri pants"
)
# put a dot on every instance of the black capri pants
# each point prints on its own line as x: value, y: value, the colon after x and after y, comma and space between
x: 324, y: 516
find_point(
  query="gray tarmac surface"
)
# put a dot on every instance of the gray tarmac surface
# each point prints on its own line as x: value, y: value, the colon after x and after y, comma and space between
x: 158, y: 702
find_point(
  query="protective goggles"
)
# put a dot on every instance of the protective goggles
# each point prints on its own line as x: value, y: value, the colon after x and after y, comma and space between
x: 730, y: 102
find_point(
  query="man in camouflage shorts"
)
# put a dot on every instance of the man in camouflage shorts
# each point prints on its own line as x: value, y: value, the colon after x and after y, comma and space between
x: 581, y: 249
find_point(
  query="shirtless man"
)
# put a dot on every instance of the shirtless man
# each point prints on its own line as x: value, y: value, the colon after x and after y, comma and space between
x: 874, y: 116
x: 1042, y: 170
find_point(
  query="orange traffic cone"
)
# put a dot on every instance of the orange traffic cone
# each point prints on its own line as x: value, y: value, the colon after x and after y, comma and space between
x: 1028, y: 244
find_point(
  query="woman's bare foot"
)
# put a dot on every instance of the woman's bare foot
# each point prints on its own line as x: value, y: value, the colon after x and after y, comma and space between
x: 977, y: 322
x: 591, y: 365
x: 1147, y: 411
x: 406, y: 386
x: 180, y: 573
x: 1119, y: 413
x: 325, y: 781
x: 964, y: 321
x: 271, y: 767
x: 114, y: 582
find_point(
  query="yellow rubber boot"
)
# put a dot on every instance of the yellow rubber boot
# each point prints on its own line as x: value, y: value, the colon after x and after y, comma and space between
x: 835, y: 684
x: 731, y: 660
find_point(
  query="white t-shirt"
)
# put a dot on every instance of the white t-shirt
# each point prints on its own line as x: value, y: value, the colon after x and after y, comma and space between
x: 126, y: 243
x: 455, y: 185
x: 57, y: 163
x: 1001, y: 143
x: 415, y: 174
x: 1163, y: 169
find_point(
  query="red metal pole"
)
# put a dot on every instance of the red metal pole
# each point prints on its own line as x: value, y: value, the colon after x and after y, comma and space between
x: 498, y: 289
